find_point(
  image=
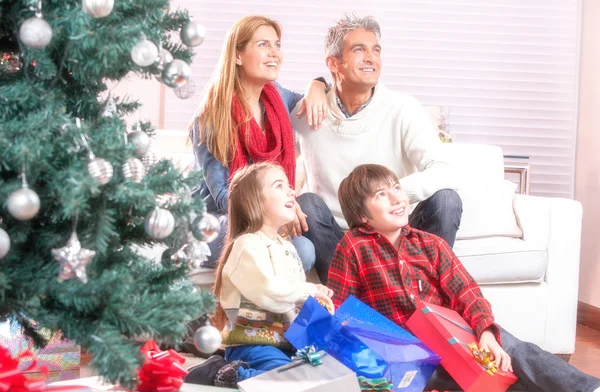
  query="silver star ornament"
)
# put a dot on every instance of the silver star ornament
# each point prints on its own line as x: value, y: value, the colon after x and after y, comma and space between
x: 73, y: 260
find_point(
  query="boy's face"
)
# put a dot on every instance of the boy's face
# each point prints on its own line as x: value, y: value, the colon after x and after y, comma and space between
x: 388, y: 208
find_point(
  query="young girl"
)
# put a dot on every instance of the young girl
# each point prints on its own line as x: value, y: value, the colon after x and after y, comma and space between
x: 244, y: 119
x: 260, y: 281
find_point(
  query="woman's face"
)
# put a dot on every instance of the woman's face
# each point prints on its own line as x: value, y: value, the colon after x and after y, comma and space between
x: 260, y: 60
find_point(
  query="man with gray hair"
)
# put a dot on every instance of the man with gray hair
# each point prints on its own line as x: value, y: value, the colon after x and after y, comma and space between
x: 367, y: 123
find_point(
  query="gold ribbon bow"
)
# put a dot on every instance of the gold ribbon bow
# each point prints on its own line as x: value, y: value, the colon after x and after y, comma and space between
x: 484, y: 358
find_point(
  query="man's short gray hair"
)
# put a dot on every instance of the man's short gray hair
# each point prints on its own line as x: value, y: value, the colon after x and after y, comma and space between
x: 334, y: 42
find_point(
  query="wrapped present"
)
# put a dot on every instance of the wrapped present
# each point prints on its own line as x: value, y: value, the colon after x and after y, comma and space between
x: 449, y: 335
x: 97, y: 384
x: 310, y: 371
x: 366, y: 342
x: 12, y: 378
x: 58, y: 355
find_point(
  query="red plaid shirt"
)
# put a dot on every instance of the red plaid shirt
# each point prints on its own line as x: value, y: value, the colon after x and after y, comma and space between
x: 368, y: 266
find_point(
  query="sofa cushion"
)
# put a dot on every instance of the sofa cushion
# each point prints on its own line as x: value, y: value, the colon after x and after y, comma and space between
x: 488, y: 211
x: 499, y: 260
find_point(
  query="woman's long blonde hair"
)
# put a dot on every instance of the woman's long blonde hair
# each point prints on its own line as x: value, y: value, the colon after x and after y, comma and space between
x: 213, y: 118
x: 245, y: 216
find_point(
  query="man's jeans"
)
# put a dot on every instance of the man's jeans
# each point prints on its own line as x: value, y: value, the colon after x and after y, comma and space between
x: 537, y: 370
x: 439, y: 215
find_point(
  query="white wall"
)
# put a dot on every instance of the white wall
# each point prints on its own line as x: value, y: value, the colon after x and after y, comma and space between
x: 587, y: 177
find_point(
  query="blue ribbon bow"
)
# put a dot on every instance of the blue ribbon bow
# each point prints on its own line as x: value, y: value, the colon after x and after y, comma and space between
x: 306, y: 355
x: 309, y: 355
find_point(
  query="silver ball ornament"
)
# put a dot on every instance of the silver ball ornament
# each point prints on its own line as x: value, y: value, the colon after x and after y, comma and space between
x: 207, y: 339
x: 186, y: 91
x: 164, y: 58
x: 97, y: 8
x: 192, y: 34
x: 140, y: 141
x: 144, y: 53
x: 35, y: 33
x: 4, y: 243
x: 197, y: 252
x: 159, y: 223
x: 176, y: 74
x: 149, y: 159
x: 23, y: 204
x: 134, y: 170
x: 101, y: 170
x: 206, y: 228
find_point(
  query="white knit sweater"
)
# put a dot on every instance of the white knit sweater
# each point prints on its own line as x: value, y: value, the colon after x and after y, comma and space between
x: 392, y: 130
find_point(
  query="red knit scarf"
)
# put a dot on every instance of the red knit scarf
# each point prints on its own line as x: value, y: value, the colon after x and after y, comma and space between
x: 276, y: 145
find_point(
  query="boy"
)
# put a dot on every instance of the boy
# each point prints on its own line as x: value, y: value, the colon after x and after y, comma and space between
x: 387, y: 264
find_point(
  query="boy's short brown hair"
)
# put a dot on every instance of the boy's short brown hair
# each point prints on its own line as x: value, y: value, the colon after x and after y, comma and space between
x: 360, y: 184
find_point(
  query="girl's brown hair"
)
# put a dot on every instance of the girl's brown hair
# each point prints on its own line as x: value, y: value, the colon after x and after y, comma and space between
x: 245, y: 216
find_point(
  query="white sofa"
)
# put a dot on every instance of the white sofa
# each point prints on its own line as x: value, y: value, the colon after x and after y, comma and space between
x: 531, y: 280
x: 530, y: 277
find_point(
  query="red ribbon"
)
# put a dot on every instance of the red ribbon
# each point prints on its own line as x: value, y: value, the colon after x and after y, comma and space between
x: 162, y: 370
x: 11, y: 378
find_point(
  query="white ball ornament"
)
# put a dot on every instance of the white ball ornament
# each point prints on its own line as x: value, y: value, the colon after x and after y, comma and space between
x: 4, y: 243
x: 35, y: 32
x: 97, y: 8
x: 144, y: 53
x: 207, y: 339
x: 23, y: 204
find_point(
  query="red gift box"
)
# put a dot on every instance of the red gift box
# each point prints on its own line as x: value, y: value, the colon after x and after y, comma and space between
x: 449, y: 336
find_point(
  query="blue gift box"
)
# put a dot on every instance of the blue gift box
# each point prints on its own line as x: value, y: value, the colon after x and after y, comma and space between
x: 366, y: 342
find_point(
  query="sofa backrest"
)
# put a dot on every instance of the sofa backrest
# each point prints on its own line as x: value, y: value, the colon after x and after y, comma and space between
x: 477, y: 164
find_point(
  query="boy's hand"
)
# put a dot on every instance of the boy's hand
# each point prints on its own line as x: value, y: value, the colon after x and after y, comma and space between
x: 488, y: 342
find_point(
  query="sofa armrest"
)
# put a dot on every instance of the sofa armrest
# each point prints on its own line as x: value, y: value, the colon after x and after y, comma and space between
x: 556, y: 223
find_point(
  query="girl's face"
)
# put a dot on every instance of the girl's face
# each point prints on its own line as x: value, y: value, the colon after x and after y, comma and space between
x: 278, y: 198
x: 261, y: 59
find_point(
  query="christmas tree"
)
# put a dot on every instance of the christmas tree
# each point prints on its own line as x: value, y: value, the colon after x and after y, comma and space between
x: 81, y: 197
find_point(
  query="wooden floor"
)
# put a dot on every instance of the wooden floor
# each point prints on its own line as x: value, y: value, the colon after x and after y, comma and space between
x: 587, y: 351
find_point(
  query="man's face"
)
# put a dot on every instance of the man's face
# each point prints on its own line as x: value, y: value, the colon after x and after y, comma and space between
x: 360, y: 65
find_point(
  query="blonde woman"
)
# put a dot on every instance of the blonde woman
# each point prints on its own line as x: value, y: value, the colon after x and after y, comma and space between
x: 244, y: 119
